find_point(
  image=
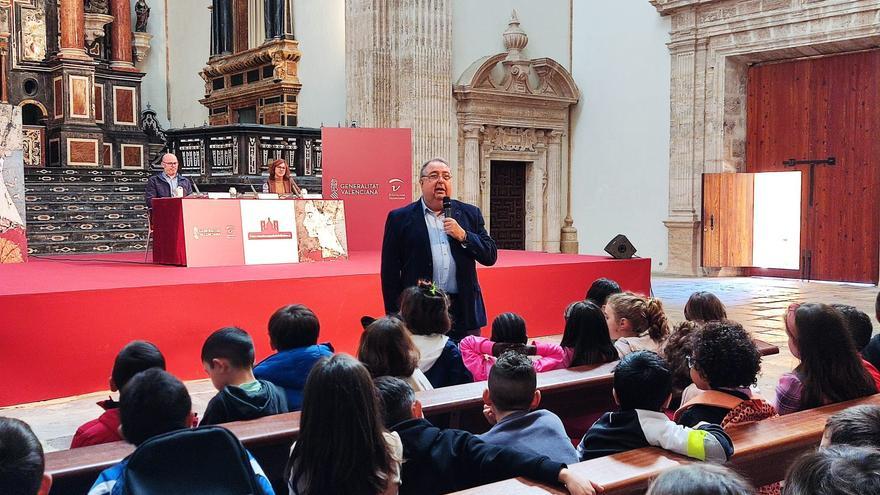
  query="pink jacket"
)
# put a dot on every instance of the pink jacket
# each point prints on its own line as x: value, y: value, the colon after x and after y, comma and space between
x: 476, y: 352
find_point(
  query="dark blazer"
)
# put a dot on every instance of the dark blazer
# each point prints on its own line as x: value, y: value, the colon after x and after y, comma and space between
x: 406, y: 258
x: 157, y: 188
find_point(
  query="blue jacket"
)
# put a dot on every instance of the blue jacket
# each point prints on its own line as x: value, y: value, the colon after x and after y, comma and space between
x: 540, y: 432
x: 406, y: 258
x: 448, y: 369
x: 157, y: 188
x: 289, y: 370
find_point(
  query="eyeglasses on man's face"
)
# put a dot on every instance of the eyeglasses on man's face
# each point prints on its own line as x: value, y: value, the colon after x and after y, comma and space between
x: 435, y: 176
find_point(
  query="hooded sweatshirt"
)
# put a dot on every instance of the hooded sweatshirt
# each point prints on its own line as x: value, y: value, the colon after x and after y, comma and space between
x: 441, y: 461
x: 289, y: 369
x: 441, y: 361
x: 244, y: 403
x: 104, y: 429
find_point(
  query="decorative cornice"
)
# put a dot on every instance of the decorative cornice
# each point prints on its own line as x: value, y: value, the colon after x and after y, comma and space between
x: 669, y: 7
x: 275, y: 52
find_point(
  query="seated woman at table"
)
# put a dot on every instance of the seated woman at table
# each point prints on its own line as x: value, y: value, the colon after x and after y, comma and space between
x: 279, y: 180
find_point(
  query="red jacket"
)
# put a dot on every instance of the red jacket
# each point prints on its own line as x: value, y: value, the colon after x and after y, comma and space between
x: 105, y: 429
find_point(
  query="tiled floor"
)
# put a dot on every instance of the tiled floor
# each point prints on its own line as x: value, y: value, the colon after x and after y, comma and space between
x: 756, y: 303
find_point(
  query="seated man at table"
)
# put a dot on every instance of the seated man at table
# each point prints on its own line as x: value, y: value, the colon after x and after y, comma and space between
x: 165, y: 185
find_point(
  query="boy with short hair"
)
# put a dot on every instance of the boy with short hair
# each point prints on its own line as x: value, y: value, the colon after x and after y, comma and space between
x: 228, y: 358
x: 293, y: 332
x: 642, y: 389
x: 858, y: 426
x: 152, y: 403
x: 22, y: 464
x: 509, y: 405
x: 135, y: 357
x: 442, y: 461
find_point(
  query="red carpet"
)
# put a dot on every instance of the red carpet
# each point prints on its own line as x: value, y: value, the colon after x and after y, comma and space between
x: 62, y: 322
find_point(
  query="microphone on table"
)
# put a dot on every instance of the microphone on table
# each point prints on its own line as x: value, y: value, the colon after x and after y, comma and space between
x: 447, y: 207
x: 195, y: 186
x: 250, y: 183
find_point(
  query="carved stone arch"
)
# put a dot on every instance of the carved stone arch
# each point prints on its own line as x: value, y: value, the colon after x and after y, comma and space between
x: 43, y: 110
x: 511, y: 108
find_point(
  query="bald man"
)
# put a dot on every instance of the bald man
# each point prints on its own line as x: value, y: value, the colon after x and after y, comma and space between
x: 163, y: 185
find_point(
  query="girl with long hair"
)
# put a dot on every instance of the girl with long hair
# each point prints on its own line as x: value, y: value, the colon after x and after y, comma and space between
x: 343, y: 447
x: 586, y: 339
x: 387, y: 349
x: 636, y: 323
x: 703, y: 307
x: 830, y: 368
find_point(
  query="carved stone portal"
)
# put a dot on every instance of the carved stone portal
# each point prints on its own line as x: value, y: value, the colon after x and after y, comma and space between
x: 515, y: 109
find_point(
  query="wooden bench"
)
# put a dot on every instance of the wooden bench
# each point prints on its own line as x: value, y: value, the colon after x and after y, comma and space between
x: 763, y: 452
x: 566, y: 392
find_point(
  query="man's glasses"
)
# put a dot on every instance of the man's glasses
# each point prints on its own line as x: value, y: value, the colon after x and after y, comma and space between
x: 435, y: 177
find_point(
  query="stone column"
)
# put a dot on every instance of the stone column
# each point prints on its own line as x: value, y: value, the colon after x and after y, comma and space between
x: 73, y: 30
x: 398, y: 58
x: 470, y: 190
x: 685, y: 156
x: 120, y: 35
x: 553, y: 194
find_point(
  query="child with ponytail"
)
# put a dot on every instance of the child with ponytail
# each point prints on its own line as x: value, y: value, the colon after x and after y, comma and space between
x: 636, y: 323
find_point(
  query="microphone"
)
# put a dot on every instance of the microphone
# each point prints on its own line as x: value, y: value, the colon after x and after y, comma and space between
x: 195, y: 186
x: 250, y: 183
x: 447, y: 207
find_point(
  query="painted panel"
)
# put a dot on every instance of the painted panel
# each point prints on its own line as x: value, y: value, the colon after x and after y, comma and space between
x: 132, y: 156
x: 82, y: 151
x: 99, y: 103
x: 79, y: 97
x: 124, y: 106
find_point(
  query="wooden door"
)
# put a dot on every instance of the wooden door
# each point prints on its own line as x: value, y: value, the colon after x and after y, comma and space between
x: 728, y: 201
x: 507, y: 204
x: 812, y: 110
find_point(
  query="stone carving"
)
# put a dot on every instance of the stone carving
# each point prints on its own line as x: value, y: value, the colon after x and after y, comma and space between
x: 33, y: 147
x: 511, y: 138
x: 515, y: 39
x: 98, y: 7
x: 142, y: 11
x: 33, y: 35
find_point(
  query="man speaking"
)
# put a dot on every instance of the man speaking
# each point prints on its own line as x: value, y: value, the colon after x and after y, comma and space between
x: 427, y: 240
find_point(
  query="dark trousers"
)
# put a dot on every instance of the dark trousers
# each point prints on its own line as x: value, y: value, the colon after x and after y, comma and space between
x: 457, y: 333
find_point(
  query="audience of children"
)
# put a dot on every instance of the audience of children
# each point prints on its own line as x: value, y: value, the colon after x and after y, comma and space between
x: 585, y: 339
x: 642, y: 389
x: 830, y: 369
x: 724, y: 365
x: 228, y: 359
x: 700, y: 479
x: 425, y: 310
x: 636, y: 323
x: 835, y: 470
x: 343, y: 446
x: 152, y: 403
x: 510, y: 406
x: 22, y: 464
x: 293, y: 332
x: 365, y: 428
x: 508, y: 332
x: 386, y: 349
x: 135, y: 357
x: 446, y: 460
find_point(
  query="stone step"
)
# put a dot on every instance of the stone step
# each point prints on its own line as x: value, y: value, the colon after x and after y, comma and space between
x: 103, y: 226
x: 107, y: 197
x: 28, y: 172
x: 85, y: 216
x: 73, y: 179
x: 57, y: 206
x: 83, y: 187
x: 85, y: 247
x: 86, y: 236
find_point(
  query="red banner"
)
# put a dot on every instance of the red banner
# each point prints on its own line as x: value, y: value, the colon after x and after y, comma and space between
x: 371, y: 171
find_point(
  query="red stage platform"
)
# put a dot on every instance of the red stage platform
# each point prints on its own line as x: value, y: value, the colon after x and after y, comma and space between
x: 62, y: 321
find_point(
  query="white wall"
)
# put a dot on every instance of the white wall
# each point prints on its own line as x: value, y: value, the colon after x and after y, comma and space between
x: 319, y: 26
x: 189, y: 37
x: 620, y: 130
x: 477, y: 27
x: 154, y: 87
